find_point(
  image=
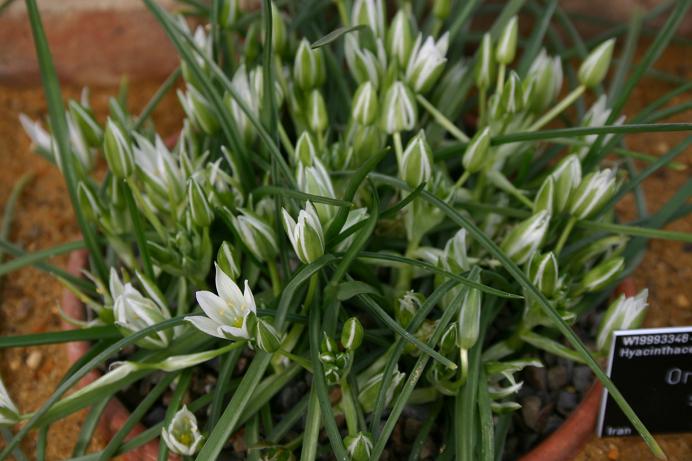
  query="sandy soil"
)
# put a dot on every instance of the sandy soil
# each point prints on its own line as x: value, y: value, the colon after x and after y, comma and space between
x: 28, y: 298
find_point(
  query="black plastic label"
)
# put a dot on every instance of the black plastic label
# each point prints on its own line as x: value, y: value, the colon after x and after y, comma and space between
x: 653, y: 370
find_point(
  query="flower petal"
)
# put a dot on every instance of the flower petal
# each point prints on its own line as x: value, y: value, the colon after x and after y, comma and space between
x: 205, y: 325
x: 227, y: 288
x: 212, y: 305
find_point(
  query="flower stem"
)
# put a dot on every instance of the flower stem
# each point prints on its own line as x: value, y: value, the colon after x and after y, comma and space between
x: 482, y: 106
x: 565, y: 233
x: 462, y: 179
x: 442, y: 119
x: 138, y: 231
x: 398, y: 148
x: 558, y: 108
x: 349, y: 407
x: 274, y: 275
x: 500, y: 79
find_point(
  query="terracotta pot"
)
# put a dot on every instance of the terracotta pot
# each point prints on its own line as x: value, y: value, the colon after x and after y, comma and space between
x: 566, y: 442
x: 562, y: 445
x: 115, y: 414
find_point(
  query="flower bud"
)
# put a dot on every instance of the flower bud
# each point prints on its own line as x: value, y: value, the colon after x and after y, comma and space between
x: 328, y: 345
x: 507, y: 44
x: 200, y: 211
x: 543, y: 272
x: 484, y: 71
x: 622, y: 314
x: 371, y: 389
x: 314, y: 179
x: 526, y: 237
x: 227, y: 261
x: 199, y: 110
x: 89, y: 202
x: 40, y: 139
x: 84, y: 118
x: 266, y: 337
x: 9, y: 415
x: 427, y: 62
x: 358, y: 446
x: 306, y: 236
x: 400, y: 38
x: 367, y: 141
x: 230, y: 10
x: 352, y: 334
x: 406, y: 308
x: 442, y: 9
x: 512, y: 98
x: 118, y: 151
x: 134, y: 312
x: 476, y: 153
x: 363, y: 64
x: 567, y: 176
x: 595, y: 66
x: 365, y: 105
x: 182, y: 436
x: 448, y: 342
x: 400, y: 111
x: 469, y: 317
x: 370, y: 13
x: 545, y: 78
x: 455, y: 258
x: 602, y: 275
x: 544, y: 197
x: 593, y: 192
x: 416, y: 161
x: 308, y: 67
x: 305, y: 149
x: 316, y: 111
x: 256, y: 235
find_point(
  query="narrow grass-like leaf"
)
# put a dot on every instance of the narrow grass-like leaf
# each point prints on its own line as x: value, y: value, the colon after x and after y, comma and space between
x: 485, y: 419
x: 39, y: 256
x: 39, y: 339
x: 536, y: 39
x: 335, y: 35
x: 304, y: 196
x: 88, y: 427
x: 156, y: 98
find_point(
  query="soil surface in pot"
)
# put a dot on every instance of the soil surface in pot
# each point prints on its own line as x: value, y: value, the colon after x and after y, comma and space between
x: 28, y: 298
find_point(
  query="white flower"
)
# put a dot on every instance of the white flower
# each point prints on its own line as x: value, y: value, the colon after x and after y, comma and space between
x: 40, y: 138
x: 369, y: 13
x: 426, y: 62
x: 227, y: 312
x: 159, y: 167
x: 596, y: 116
x: 306, y: 236
x: 624, y: 313
x: 182, y: 435
x: 8, y: 410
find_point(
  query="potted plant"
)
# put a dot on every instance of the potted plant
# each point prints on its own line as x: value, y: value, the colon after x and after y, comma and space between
x: 330, y: 247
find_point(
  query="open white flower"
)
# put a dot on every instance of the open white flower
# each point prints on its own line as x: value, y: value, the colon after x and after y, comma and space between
x: 227, y: 312
x: 182, y: 435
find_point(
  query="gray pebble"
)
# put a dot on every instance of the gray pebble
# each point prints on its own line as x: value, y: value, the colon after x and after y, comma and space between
x: 566, y: 401
x: 557, y: 377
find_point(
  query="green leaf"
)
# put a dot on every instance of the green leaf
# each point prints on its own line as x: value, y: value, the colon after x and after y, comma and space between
x: 348, y: 290
x: 283, y: 191
x: 39, y: 256
x: 39, y: 339
x: 335, y: 34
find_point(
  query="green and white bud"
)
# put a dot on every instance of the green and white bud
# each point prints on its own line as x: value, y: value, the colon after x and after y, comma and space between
x: 256, y: 235
x: 365, y: 105
x: 597, y: 115
x: 363, y: 64
x: 352, y: 334
x: 266, y: 338
x: 484, y: 71
x: 595, y: 67
x: 328, y: 345
x: 278, y: 31
x: 200, y: 211
x: 134, y: 312
x: 305, y: 149
x: 227, y: 312
x: 542, y: 270
x: 593, y: 192
x: 469, y: 319
x: 198, y: 110
x: 371, y: 389
x: 526, y: 237
x: 366, y: 142
x: 602, y: 275
x: 544, y: 199
x: 358, y: 446
x: 315, y: 111
x: 229, y: 12
x: 416, y: 161
x: 118, y: 151
x: 40, y: 139
x: 512, y: 97
x: 622, y: 314
x: 353, y: 218
x: 400, y: 38
x: 306, y: 236
x: 308, y: 67
x: 227, y: 261
x: 507, y: 44
x: 476, y: 156
x: 182, y: 435
x: 370, y: 13
x: 406, y: 307
x: 400, y: 111
x: 427, y: 62
x: 89, y: 202
x: 9, y: 414
x: 448, y: 342
x: 566, y: 176
x: 455, y: 258
x: 545, y: 78
x: 314, y: 179
x: 87, y: 124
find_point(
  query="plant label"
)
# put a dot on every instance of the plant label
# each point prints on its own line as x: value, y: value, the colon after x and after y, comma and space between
x: 653, y: 370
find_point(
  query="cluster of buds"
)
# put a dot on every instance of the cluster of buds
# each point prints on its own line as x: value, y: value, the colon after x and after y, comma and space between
x: 337, y: 363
